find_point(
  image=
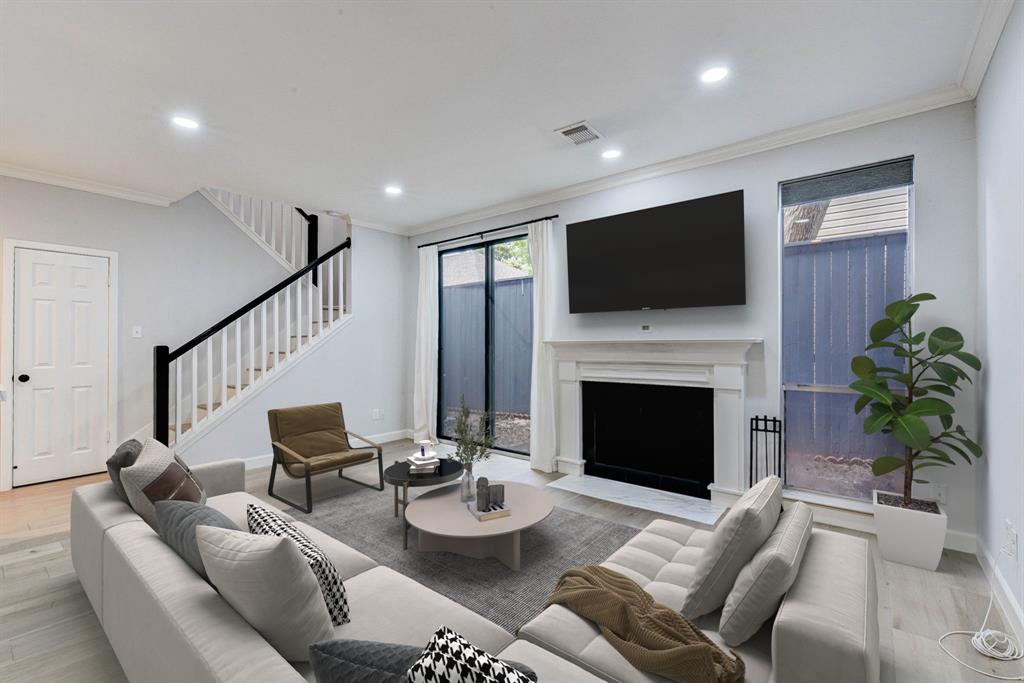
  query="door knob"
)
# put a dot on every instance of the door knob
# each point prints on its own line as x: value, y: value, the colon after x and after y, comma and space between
x: 23, y: 378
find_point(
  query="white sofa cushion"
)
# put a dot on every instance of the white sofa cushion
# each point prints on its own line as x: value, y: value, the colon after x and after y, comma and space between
x: 661, y: 559
x: 759, y: 588
x: 739, y: 534
x: 548, y: 667
x: 268, y: 581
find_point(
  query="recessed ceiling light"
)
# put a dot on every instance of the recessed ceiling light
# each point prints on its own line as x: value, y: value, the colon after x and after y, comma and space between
x: 611, y: 154
x: 714, y: 75
x: 393, y: 190
x: 185, y: 122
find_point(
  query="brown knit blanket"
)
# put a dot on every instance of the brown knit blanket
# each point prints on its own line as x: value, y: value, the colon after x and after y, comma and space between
x: 651, y: 636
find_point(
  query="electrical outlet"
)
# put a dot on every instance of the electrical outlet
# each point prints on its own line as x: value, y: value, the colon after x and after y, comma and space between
x: 941, y: 493
x: 646, y: 327
x: 1010, y: 540
x: 376, y: 414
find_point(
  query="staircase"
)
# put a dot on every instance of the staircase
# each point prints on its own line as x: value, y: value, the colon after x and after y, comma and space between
x: 204, y: 379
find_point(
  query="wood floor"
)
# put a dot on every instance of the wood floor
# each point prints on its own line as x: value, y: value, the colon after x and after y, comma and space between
x: 48, y: 631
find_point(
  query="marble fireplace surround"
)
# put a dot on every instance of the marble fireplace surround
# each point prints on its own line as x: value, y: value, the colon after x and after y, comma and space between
x: 718, y: 364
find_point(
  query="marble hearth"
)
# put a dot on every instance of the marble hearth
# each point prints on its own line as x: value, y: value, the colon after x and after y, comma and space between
x: 717, y: 364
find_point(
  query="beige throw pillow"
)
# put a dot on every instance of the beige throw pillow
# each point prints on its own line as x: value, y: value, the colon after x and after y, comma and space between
x: 157, y: 474
x: 734, y: 541
x: 759, y: 588
x: 268, y: 581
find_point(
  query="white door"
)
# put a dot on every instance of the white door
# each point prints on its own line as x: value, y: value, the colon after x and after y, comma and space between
x: 60, y: 392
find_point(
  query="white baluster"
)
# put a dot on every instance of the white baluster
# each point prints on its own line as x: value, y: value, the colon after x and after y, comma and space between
x: 330, y: 291
x: 295, y: 239
x: 252, y: 346
x: 238, y: 356
x: 298, y: 315
x: 277, y: 333
x: 264, y: 351
x: 209, y: 375
x: 309, y: 305
x: 287, y: 323
x: 177, y: 398
x: 320, y: 299
x: 194, y: 358
x: 224, y: 366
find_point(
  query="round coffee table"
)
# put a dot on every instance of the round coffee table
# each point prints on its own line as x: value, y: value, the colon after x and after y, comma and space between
x: 445, y: 523
x: 398, y: 475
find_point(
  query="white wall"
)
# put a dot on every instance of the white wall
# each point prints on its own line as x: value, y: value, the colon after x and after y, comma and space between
x: 1000, y: 131
x: 181, y: 269
x: 363, y: 365
x: 944, y: 247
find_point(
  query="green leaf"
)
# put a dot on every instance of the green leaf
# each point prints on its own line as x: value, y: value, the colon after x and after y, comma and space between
x: 920, y: 391
x: 945, y: 340
x: 947, y: 368
x: 930, y: 406
x: 912, y: 431
x: 900, y: 311
x: 947, y: 421
x: 939, y: 454
x: 862, y: 401
x: 923, y: 296
x: 875, y: 422
x: 956, y: 449
x: 930, y: 463
x: 903, y: 353
x: 970, y: 445
x: 863, y: 367
x: 945, y: 372
x: 941, y: 389
x: 883, y: 345
x: 886, y: 464
x: 876, y: 391
x: 882, y: 329
x: 917, y: 338
x: 921, y: 481
x: 968, y: 359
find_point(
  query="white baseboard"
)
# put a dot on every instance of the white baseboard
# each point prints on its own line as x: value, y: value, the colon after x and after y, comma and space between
x: 845, y: 514
x: 1008, y: 603
x: 382, y: 438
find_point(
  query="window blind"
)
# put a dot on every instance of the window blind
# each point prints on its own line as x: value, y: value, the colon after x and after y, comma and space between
x: 870, y: 178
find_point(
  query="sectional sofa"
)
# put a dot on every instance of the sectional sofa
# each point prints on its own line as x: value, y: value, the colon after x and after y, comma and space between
x: 166, y: 623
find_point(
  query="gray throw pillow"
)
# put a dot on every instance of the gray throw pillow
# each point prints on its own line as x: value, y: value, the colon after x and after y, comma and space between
x: 176, y: 522
x: 345, y: 661
x: 125, y: 456
x: 158, y: 474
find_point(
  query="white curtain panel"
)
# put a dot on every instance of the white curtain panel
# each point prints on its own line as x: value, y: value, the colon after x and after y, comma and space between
x: 424, y: 397
x: 543, y: 435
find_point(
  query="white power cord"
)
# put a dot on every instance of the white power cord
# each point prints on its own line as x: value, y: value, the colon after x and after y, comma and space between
x: 991, y: 643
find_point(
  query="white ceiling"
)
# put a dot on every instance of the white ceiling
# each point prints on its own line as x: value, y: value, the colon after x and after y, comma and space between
x: 323, y: 103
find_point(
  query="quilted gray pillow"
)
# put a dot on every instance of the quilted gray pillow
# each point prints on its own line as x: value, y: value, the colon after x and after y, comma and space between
x: 158, y: 474
x: 364, y: 661
x: 125, y: 456
x: 176, y: 522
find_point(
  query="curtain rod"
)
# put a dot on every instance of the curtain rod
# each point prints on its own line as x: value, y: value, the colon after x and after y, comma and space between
x: 484, y: 232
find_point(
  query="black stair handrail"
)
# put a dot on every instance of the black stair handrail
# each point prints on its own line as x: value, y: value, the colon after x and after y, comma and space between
x: 163, y: 356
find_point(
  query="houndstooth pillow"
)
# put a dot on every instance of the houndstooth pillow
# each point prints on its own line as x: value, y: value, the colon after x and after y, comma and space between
x: 263, y: 521
x: 450, y: 658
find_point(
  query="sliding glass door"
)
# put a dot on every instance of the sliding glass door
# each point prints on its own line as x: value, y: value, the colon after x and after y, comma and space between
x: 486, y: 339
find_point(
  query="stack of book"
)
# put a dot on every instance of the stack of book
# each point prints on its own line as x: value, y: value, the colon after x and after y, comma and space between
x: 496, y: 511
x: 419, y: 464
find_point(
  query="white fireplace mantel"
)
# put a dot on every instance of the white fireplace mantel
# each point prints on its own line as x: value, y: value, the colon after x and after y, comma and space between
x: 717, y: 364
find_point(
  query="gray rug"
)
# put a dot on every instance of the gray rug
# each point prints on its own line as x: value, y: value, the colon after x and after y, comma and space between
x: 364, y: 519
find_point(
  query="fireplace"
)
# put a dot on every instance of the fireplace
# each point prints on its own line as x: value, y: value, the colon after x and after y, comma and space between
x: 653, y: 435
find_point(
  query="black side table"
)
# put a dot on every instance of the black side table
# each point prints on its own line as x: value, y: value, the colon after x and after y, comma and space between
x: 398, y: 475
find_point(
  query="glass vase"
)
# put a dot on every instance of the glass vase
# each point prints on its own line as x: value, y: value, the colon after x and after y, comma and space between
x: 467, y: 487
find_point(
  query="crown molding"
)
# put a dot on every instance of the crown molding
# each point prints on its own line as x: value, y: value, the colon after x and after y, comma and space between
x: 73, y: 183
x: 991, y: 20
x: 936, y: 99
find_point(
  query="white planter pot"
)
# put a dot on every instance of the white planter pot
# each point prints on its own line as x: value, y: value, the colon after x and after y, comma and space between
x: 910, y: 536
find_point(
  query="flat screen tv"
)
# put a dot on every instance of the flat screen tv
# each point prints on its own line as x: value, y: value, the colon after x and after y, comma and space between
x: 681, y: 255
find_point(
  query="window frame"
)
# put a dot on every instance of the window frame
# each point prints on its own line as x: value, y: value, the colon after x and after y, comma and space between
x: 489, y: 283
x: 780, y: 279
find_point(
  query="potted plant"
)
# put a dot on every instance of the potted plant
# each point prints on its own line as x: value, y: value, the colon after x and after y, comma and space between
x: 904, y: 401
x: 471, y: 445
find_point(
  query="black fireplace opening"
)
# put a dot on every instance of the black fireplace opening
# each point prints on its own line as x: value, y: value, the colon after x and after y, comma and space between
x: 652, y: 435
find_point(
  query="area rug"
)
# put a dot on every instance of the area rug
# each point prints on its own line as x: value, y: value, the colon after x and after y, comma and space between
x: 364, y: 519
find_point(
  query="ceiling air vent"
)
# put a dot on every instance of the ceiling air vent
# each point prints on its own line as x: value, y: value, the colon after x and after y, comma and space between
x: 579, y: 133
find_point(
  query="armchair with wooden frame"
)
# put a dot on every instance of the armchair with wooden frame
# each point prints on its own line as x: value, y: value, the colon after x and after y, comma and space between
x: 312, y: 439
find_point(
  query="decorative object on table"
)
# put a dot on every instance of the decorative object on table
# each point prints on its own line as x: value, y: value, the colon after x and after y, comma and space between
x: 483, y: 494
x: 492, y: 511
x: 496, y: 494
x: 471, y: 446
x: 423, y: 462
x: 910, y: 530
